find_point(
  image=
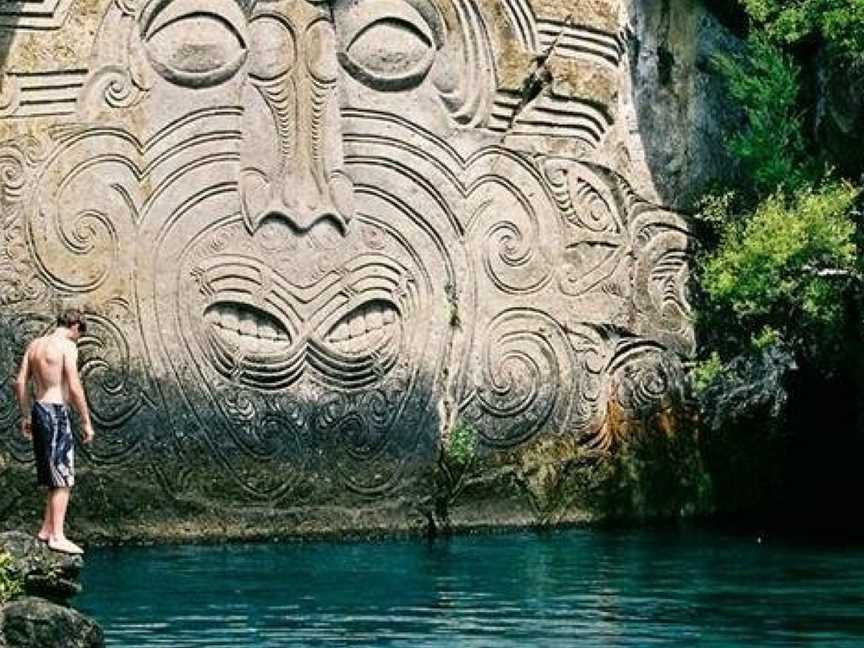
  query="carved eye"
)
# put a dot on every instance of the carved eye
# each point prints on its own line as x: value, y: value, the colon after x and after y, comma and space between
x: 190, y: 47
x: 273, y: 47
x: 594, y: 213
x: 392, y: 51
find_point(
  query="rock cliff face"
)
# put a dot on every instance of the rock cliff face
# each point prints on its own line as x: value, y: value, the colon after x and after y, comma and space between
x: 317, y: 239
x: 683, y: 113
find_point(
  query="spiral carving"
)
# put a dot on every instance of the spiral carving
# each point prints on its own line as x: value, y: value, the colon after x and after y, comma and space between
x: 114, y: 380
x: 111, y: 86
x: 511, y: 212
x: 359, y: 436
x: 12, y: 175
x: 81, y: 235
x: 79, y: 225
x: 661, y: 277
x: 17, y: 161
x: 18, y: 279
x: 518, y: 387
x: 646, y: 377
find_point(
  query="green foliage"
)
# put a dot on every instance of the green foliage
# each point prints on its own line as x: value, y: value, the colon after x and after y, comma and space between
x: 462, y: 445
x: 767, y: 337
x: 11, y: 584
x: 714, y: 209
x: 839, y: 23
x: 706, y: 371
x: 779, y: 255
x: 782, y: 270
x: 764, y: 81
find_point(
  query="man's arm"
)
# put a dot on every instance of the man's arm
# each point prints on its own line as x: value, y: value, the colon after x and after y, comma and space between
x: 76, y: 390
x: 22, y: 393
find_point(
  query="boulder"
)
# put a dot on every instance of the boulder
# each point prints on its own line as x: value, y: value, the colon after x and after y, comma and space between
x: 37, y: 623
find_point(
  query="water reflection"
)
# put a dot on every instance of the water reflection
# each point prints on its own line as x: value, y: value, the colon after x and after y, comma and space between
x: 589, y: 588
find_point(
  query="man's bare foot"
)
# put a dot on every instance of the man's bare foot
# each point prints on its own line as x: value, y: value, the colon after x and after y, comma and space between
x: 64, y: 545
x: 42, y: 536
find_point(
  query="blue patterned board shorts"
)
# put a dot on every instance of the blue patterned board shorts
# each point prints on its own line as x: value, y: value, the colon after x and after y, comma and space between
x: 53, y: 445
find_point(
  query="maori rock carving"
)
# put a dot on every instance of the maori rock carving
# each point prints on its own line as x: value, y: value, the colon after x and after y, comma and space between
x: 36, y: 14
x: 313, y: 234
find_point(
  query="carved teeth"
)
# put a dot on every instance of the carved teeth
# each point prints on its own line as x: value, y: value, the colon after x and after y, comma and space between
x: 248, y: 325
x: 231, y: 336
x: 228, y: 318
x: 267, y: 331
x: 363, y: 328
x: 253, y: 330
x: 358, y: 325
x: 374, y: 319
x: 341, y: 332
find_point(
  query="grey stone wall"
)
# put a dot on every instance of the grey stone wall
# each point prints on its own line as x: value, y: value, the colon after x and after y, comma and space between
x: 314, y: 238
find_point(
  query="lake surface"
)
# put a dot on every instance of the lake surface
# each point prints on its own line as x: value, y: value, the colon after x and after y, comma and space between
x: 569, y: 588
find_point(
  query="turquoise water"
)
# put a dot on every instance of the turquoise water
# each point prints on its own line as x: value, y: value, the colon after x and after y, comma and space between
x: 570, y: 588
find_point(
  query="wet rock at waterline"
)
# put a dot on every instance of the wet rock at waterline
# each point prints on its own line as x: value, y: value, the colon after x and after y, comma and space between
x: 317, y: 239
x: 43, y: 572
x: 32, y: 622
x: 45, y: 580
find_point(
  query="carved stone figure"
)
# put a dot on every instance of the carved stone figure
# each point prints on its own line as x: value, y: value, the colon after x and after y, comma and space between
x: 314, y: 236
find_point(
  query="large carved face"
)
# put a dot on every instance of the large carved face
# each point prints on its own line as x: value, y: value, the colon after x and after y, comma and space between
x: 324, y: 250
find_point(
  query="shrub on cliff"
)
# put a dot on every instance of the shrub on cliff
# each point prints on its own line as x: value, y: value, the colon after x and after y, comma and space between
x: 765, y: 81
x: 783, y: 271
x: 779, y: 260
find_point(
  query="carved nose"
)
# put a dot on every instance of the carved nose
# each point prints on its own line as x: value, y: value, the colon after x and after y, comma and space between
x: 301, y: 198
x: 301, y: 179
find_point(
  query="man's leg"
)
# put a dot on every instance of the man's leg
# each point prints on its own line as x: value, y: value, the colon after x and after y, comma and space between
x: 45, y: 531
x: 57, y: 540
x: 59, y: 502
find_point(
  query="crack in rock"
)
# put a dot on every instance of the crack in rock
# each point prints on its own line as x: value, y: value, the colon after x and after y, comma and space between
x: 539, y: 78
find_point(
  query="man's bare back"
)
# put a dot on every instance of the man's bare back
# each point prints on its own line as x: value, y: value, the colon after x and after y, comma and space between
x: 47, y: 356
x: 51, y: 363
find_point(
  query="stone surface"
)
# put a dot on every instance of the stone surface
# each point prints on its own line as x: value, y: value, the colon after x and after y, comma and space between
x: 313, y: 238
x: 32, y: 622
x: 752, y: 382
x: 45, y: 573
x: 682, y: 110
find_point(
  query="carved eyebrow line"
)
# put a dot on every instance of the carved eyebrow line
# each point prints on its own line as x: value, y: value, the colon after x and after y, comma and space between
x: 404, y: 11
x: 196, y: 14
x: 218, y: 9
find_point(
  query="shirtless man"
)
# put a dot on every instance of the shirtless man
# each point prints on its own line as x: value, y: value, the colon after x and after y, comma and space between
x: 52, y: 362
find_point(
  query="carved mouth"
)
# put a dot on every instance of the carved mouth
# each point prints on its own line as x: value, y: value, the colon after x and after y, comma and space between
x: 247, y: 328
x: 255, y: 347
x: 364, y: 329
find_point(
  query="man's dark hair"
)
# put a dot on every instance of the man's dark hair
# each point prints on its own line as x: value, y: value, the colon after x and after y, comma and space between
x: 70, y: 317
